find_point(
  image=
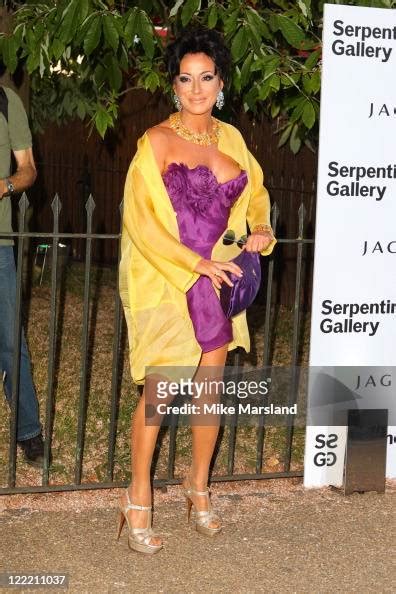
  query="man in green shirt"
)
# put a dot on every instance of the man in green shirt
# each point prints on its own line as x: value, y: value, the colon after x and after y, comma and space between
x: 15, y: 136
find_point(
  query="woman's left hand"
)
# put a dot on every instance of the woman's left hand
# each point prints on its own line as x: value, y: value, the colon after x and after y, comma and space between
x: 258, y: 241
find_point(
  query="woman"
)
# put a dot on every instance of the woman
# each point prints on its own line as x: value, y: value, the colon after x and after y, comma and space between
x: 191, y: 179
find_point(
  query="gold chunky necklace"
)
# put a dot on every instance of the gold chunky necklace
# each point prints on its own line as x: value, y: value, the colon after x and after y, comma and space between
x: 205, y: 139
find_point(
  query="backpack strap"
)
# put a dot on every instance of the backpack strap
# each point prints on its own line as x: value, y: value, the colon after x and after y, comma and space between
x: 3, y: 103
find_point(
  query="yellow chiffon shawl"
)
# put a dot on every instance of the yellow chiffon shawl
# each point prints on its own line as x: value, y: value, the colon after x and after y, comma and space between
x: 156, y: 269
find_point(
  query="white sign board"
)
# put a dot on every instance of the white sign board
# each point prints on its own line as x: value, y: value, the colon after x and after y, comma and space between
x: 354, y: 296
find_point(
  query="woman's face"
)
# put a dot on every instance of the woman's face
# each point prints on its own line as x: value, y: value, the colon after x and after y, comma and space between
x: 197, y: 85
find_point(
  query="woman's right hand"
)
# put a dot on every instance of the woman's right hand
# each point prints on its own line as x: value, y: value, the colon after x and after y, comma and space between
x: 216, y: 271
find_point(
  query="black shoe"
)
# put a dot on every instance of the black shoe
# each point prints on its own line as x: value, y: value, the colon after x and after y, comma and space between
x: 33, y: 450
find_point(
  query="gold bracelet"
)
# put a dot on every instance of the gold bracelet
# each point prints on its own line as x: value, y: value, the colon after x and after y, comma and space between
x: 264, y: 228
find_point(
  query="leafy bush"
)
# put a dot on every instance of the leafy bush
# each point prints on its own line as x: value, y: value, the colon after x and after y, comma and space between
x: 83, y: 55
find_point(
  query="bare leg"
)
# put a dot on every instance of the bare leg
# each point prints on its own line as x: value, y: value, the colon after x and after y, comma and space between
x: 204, y: 437
x: 143, y: 440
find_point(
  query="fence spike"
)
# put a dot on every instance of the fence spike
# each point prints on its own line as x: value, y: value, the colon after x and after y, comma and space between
x: 56, y: 204
x: 301, y: 214
x: 90, y: 204
x: 274, y: 216
x: 23, y: 204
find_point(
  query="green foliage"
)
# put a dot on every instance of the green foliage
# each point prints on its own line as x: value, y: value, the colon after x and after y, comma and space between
x: 83, y: 55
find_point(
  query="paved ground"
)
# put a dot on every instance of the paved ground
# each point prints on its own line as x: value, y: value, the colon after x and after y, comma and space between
x: 276, y: 539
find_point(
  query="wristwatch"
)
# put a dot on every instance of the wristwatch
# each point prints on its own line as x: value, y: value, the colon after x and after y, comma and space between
x: 10, y: 187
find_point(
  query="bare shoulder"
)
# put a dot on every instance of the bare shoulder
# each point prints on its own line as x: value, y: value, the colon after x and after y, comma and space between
x: 160, y: 132
x: 159, y: 140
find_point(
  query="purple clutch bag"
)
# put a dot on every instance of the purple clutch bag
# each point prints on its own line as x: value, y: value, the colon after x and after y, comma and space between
x: 237, y: 298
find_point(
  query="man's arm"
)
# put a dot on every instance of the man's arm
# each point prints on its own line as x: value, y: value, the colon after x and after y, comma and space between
x: 25, y: 174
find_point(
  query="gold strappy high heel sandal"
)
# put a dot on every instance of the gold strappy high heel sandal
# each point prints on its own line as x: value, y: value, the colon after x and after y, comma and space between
x: 138, y: 538
x: 202, y: 518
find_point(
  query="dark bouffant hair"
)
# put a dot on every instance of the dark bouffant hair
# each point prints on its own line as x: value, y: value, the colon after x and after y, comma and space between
x: 194, y: 41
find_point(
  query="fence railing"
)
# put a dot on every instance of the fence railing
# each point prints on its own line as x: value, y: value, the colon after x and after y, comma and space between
x: 75, y: 176
x: 12, y: 481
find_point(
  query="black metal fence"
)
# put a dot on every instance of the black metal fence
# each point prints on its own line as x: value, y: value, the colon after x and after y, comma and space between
x: 13, y: 483
x: 75, y: 176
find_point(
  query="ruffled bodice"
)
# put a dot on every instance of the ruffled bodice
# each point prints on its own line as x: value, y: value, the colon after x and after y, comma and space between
x: 201, y: 203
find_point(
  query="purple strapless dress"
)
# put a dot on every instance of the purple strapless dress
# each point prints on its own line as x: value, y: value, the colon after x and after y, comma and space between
x: 202, y: 206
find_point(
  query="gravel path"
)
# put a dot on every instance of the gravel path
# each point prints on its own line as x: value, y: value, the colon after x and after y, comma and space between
x: 277, y: 538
